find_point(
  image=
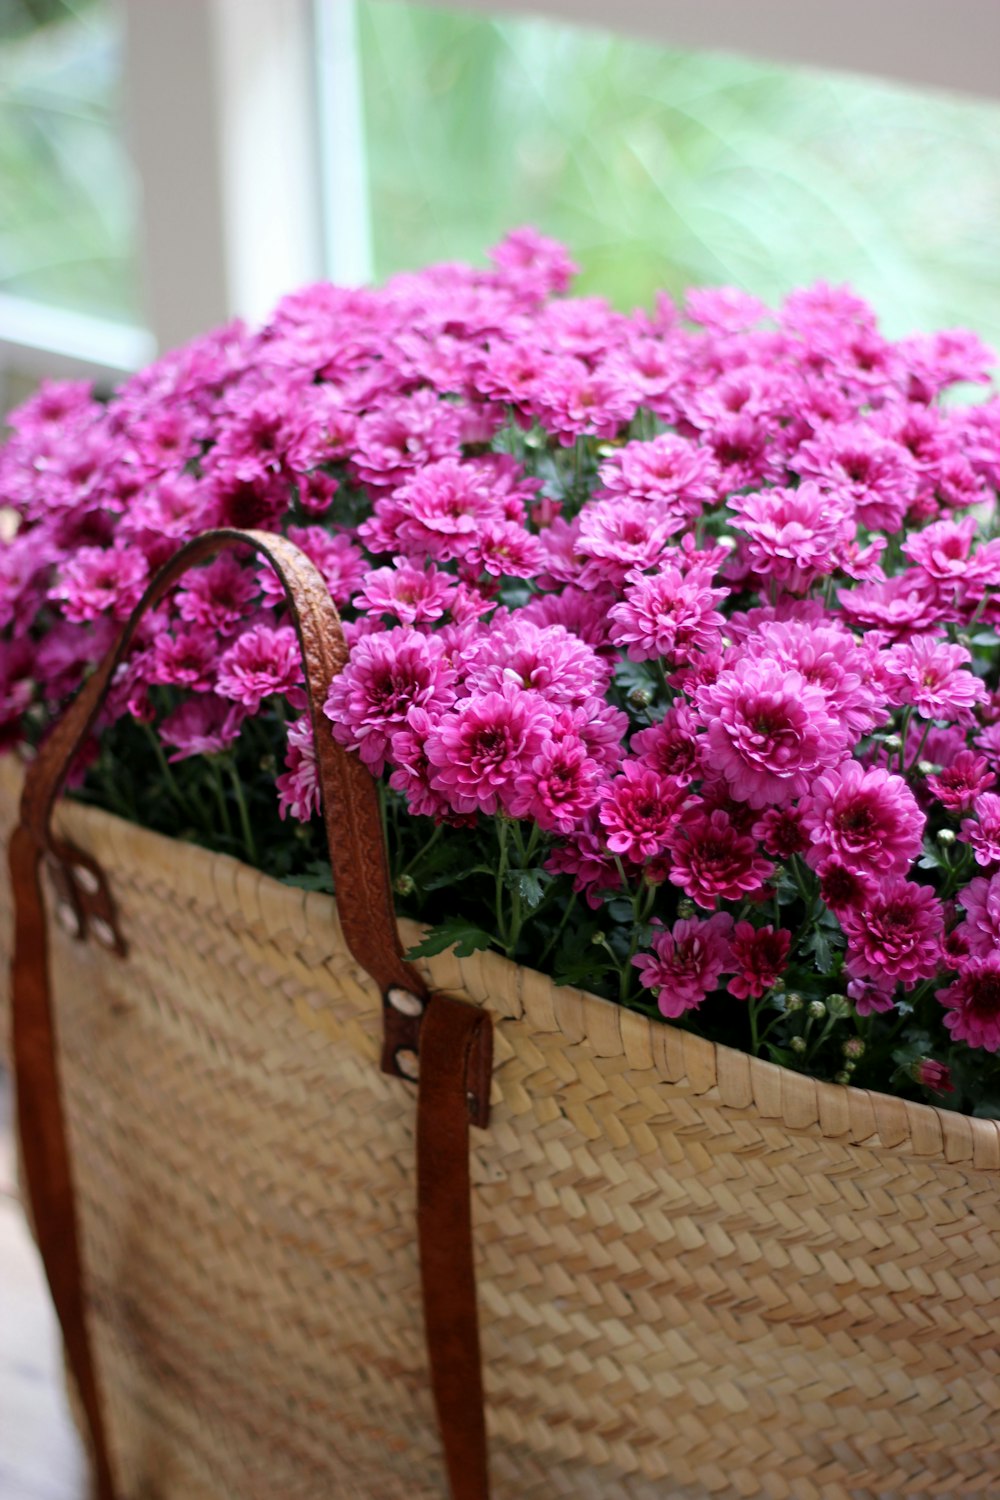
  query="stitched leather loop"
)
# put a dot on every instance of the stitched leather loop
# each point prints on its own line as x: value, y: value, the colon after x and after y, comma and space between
x: 364, y: 900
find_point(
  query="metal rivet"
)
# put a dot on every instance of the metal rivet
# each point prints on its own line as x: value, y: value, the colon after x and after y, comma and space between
x: 103, y: 932
x: 67, y: 918
x: 405, y: 1002
x: 408, y: 1063
x: 86, y: 879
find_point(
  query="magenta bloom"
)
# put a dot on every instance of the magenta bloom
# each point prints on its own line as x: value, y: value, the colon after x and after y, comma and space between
x: 202, y: 726
x: 186, y: 660
x: 218, y: 597
x: 769, y: 732
x: 795, y: 535
x: 480, y: 748
x: 670, y: 471
x: 388, y: 674
x: 843, y: 885
x: 933, y: 1075
x: 983, y: 831
x: 546, y: 659
x: 639, y: 809
x: 981, y: 903
x: 668, y: 615
x: 97, y: 580
x: 584, y: 856
x: 781, y: 831
x: 759, y: 958
x: 615, y: 536
x: 561, y: 786
x: 414, y: 595
x: 672, y: 746
x: 958, y: 784
x: 869, y: 819
x: 876, y: 474
x: 298, y: 785
x: 872, y: 996
x: 260, y: 662
x: 973, y: 1003
x: 713, y: 861
x: 687, y: 962
x: 933, y: 677
x: 897, y: 936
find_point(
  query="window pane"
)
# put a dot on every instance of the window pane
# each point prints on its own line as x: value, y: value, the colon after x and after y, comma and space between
x: 663, y: 168
x: 66, y: 192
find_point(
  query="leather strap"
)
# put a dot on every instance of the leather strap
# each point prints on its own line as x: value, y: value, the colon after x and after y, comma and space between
x: 364, y: 900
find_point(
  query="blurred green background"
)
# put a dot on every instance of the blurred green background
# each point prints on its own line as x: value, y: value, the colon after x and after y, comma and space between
x: 657, y: 167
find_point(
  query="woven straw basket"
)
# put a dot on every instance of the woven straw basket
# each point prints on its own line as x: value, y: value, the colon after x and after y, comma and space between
x: 698, y: 1274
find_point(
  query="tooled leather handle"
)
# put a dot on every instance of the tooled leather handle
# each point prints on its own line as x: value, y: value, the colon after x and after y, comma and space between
x: 364, y: 900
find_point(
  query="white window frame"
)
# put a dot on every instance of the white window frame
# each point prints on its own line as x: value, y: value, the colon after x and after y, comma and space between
x: 244, y: 123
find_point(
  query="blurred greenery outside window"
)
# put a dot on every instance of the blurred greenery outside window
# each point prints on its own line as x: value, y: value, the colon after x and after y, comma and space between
x: 656, y: 167
x: 67, y: 199
x: 663, y: 168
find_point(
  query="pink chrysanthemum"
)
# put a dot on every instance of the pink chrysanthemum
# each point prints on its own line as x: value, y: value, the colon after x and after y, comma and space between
x: 668, y: 615
x: 98, y: 580
x: 639, y: 810
x: 759, y: 958
x: 712, y: 861
x: 298, y: 785
x: 260, y: 662
x: 973, y: 1003
x: 546, y: 659
x: 388, y: 674
x: 202, y: 726
x: 958, y: 784
x: 584, y: 856
x: 873, y: 473
x: 982, y: 832
x: 679, y: 477
x: 560, y: 787
x: 933, y: 677
x: 218, y: 597
x: 873, y: 996
x: 671, y: 746
x: 781, y: 831
x: 795, y: 536
x: 413, y: 595
x: 843, y: 885
x: 768, y: 732
x: 615, y: 536
x: 897, y: 936
x: 186, y: 659
x: 687, y: 962
x: 829, y: 658
x: 480, y: 748
x: 981, y: 903
x: 869, y: 819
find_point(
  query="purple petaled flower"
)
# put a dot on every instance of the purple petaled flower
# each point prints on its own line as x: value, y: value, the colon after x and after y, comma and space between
x: 781, y: 831
x: 480, y: 748
x: 668, y: 615
x: 973, y: 1003
x: 844, y: 885
x: 388, y: 674
x: 681, y: 478
x: 983, y: 831
x: 869, y: 819
x: 414, y: 595
x: 639, y: 809
x: 97, y: 581
x: 584, y: 855
x: 219, y: 596
x: 560, y: 787
x: 759, y: 958
x: 875, y: 474
x: 202, y: 726
x: 545, y: 659
x: 615, y: 536
x: 711, y: 860
x: 796, y: 535
x: 769, y: 732
x: 958, y: 784
x: 829, y: 658
x: 873, y: 996
x: 298, y: 785
x: 981, y: 903
x: 933, y: 677
x: 260, y: 662
x: 186, y: 659
x: 687, y: 962
x: 671, y: 746
x: 897, y: 936
x: 932, y: 1075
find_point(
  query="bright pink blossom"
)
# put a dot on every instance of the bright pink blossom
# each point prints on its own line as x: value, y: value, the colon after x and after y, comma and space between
x: 897, y: 936
x: 639, y: 809
x: 759, y: 958
x: 687, y: 962
x: 668, y: 615
x: 973, y: 1003
x: 933, y: 677
x: 388, y: 674
x: 480, y: 748
x: 869, y: 819
x: 983, y: 831
x: 711, y: 860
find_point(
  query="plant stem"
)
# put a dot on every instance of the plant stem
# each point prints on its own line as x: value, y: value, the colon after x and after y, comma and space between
x: 503, y: 827
x: 220, y: 794
x: 244, y: 812
x: 557, y: 934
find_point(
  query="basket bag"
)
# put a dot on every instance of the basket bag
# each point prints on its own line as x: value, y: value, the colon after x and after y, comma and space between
x: 698, y: 1274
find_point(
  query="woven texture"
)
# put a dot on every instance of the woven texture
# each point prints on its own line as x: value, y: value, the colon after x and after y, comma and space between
x: 699, y: 1275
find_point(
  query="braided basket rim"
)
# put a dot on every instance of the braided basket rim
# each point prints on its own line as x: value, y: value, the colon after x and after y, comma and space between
x: 746, y: 1085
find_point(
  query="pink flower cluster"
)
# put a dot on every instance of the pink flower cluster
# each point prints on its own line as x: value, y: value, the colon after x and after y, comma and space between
x: 707, y: 595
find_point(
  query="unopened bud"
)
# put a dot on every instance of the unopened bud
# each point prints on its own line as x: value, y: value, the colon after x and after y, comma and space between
x: 794, y: 1001
x: 838, y: 1006
x: 404, y: 885
x: 925, y: 767
x: 685, y: 908
x: 778, y: 987
x: 268, y: 764
x: 817, y: 1009
x: 798, y: 1044
x: 964, y: 639
x: 893, y: 744
x: 946, y: 837
x: 842, y: 1077
x: 640, y: 697
x: 854, y: 1047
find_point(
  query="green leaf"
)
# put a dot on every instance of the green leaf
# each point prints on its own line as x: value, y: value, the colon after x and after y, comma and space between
x: 818, y: 944
x: 621, y: 911
x: 454, y: 877
x: 455, y: 932
x: 316, y: 877
x: 529, y: 884
x: 986, y: 638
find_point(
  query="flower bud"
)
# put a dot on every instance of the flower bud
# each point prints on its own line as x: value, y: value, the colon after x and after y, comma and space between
x: 925, y: 767
x: 685, y: 908
x: 839, y: 1006
x: 640, y: 697
x: 404, y: 885
x: 946, y: 837
x: 842, y: 1077
x: 268, y: 764
x: 817, y: 1009
x: 794, y: 1001
x: 854, y: 1047
x: 778, y: 987
x: 893, y: 744
x: 798, y: 1044
x: 964, y: 639
x: 933, y: 1075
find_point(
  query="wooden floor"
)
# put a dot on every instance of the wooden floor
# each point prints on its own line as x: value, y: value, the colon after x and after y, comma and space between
x: 40, y: 1456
